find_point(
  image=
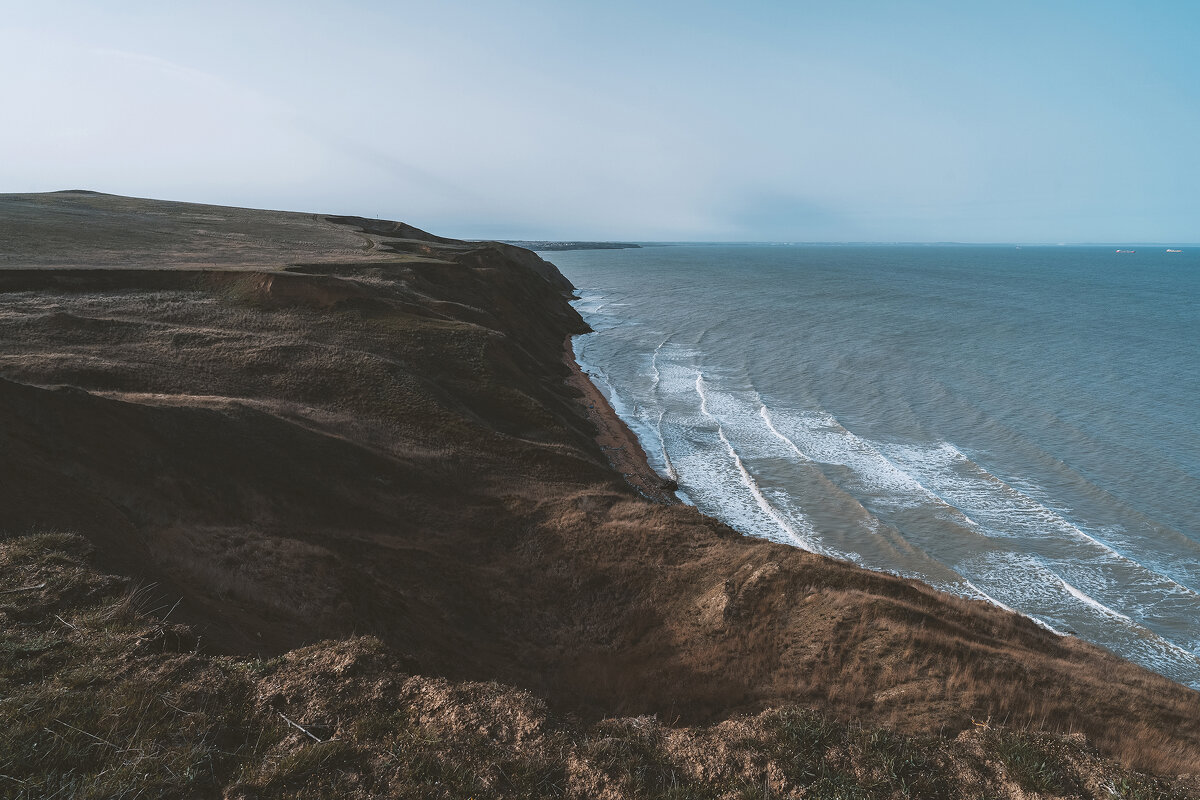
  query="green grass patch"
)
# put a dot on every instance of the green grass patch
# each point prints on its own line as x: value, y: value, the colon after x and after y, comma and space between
x: 1030, y: 761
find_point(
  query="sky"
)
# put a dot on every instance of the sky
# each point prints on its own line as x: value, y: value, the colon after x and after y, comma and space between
x: 1049, y: 121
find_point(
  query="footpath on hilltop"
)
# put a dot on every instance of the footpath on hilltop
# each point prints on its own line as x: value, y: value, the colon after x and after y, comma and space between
x: 298, y: 504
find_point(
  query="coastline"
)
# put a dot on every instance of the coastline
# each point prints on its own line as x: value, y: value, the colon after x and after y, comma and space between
x: 895, y: 482
x: 619, y: 444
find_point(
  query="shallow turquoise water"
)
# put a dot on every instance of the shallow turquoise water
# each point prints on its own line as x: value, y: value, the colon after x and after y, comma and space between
x: 1016, y: 424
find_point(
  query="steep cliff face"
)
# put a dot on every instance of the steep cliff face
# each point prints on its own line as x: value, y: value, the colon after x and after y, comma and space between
x: 322, y: 427
x: 289, y: 447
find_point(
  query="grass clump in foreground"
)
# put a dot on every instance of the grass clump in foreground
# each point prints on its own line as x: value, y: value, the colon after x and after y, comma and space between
x: 102, y: 696
x: 828, y: 759
x: 1033, y: 764
x: 98, y: 699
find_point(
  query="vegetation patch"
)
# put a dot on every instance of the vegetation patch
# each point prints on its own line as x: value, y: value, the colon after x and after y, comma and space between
x: 102, y: 696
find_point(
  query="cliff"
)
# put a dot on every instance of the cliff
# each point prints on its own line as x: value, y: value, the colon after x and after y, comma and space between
x: 342, y: 452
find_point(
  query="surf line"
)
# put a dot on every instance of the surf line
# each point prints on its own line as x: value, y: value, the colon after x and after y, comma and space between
x: 1048, y: 515
x: 872, y: 450
x: 1117, y: 615
x: 654, y: 365
x: 1091, y: 601
x: 1042, y: 518
x: 801, y: 541
x: 662, y: 446
x: 988, y: 598
x: 658, y: 426
x: 766, y: 417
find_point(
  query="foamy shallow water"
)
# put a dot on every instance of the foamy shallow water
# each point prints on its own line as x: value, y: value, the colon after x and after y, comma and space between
x: 1015, y: 425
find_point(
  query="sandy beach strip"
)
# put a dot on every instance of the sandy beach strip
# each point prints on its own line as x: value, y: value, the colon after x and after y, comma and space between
x: 619, y: 444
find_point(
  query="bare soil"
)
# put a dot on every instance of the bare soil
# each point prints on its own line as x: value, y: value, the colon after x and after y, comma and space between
x: 619, y: 444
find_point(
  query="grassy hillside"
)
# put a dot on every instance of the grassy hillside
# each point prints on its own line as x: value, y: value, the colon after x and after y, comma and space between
x: 106, y: 697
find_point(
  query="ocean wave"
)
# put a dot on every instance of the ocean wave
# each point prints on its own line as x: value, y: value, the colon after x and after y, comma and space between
x: 657, y: 376
x: 656, y: 381
x: 805, y: 540
x: 1045, y: 541
x: 865, y: 458
x: 600, y: 377
x: 672, y: 473
x: 818, y: 436
x: 766, y: 417
x: 872, y: 467
x: 1091, y: 601
x: 1028, y: 584
x: 985, y: 596
x: 874, y: 544
x: 945, y: 464
x: 1005, y: 511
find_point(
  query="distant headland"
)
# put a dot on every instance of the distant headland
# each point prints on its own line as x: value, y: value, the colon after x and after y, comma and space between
x: 548, y: 245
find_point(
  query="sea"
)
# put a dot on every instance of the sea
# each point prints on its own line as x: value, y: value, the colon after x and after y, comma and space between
x: 1016, y: 424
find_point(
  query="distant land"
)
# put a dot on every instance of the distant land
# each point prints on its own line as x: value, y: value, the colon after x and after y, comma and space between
x: 549, y: 245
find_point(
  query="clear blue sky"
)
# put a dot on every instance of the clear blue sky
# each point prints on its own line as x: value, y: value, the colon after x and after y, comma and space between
x: 1051, y: 121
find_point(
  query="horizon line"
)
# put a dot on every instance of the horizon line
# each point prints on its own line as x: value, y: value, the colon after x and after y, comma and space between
x: 783, y: 242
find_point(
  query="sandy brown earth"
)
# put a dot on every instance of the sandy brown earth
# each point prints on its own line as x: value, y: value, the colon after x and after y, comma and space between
x: 311, y: 427
x: 619, y: 444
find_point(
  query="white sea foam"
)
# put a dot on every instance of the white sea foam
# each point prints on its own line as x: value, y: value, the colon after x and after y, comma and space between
x: 985, y: 596
x: 971, y: 487
x: 819, y: 437
x: 1023, y: 581
x: 1005, y: 511
x: 766, y: 416
x: 869, y: 462
x: 662, y: 445
x: 980, y: 594
x: 654, y: 364
x: 802, y: 539
x: 760, y: 445
x: 1091, y: 601
x: 600, y: 378
x: 590, y: 302
x: 594, y: 306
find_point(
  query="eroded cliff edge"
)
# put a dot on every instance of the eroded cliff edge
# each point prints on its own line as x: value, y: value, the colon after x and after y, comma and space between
x: 312, y: 428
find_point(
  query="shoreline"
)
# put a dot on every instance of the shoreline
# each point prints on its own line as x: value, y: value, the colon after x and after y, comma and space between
x: 619, y: 444
x: 803, y: 504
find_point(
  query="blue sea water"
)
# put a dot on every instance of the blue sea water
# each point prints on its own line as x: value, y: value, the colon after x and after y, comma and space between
x: 1016, y: 424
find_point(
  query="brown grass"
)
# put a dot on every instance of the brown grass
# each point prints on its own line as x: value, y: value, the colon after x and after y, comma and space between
x: 104, y: 699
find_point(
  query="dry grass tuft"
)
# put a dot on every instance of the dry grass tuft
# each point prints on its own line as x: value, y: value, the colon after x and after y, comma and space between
x: 93, y: 708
